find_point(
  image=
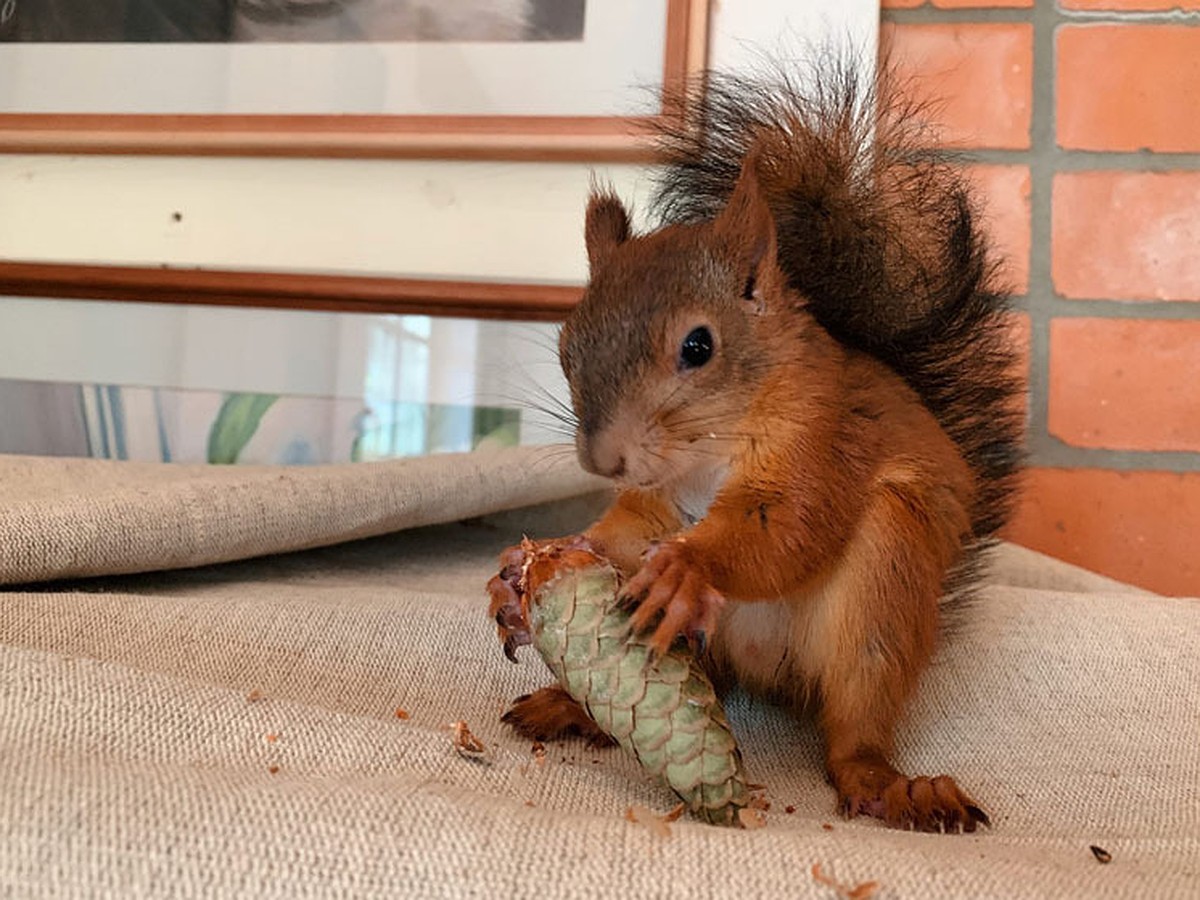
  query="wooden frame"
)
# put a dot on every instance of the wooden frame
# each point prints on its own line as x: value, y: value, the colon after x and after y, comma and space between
x: 278, y: 290
x: 560, y: 138
x: 449, y: 137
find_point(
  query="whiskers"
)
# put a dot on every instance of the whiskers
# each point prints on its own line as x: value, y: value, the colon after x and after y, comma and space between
x: 546, y: 457
x: 560, y: 417
x: 714, y: 428
x: 552, y: 414
x: 524, y: 374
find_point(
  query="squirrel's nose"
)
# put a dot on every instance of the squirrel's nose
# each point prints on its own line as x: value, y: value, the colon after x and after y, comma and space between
x: 601, y: 456
x: 618, y: 470
x: 607, y: 467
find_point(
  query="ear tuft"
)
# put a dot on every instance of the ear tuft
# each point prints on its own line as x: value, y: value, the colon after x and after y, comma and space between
x: 606, y: 226
x: 747, y: 224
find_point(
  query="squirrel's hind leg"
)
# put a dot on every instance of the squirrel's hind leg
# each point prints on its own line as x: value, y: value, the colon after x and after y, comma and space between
x: 551, y: 713
x: 881, y: 625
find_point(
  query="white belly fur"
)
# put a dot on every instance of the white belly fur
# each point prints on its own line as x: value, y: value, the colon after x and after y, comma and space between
x: 754, y: 638
x: 694, y: 493
x: 775, y: 646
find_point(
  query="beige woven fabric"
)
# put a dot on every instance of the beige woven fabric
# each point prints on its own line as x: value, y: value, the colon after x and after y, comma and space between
x: 132, y: 762
x: 64, y: 518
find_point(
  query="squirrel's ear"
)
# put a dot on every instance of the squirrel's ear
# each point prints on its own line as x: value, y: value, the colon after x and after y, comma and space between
x: 606, y: 226
x: 746, y: 224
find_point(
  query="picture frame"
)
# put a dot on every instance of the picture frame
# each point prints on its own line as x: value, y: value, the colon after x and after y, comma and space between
x: 463, y: 298
x: 556, y: 137
x: 584, y: 138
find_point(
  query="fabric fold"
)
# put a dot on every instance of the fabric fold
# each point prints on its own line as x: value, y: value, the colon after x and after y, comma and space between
x: 69, y: 518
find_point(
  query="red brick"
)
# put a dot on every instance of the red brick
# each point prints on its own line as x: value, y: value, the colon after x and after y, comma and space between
x: 1137, y: 527
x: 1125, y: 384
x: 1021, y: 338
x: 959, y: 4
x: 978, y: 76
x: 1140, y: 5
x: 1127, y: 235
x: 1005, y: 192
x: 1129, y: 87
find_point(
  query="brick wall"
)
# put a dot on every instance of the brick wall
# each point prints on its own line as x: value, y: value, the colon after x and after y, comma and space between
x: 1082, y: 122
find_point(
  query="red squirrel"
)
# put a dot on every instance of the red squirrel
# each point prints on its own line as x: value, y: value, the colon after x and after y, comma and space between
x: 803, y: 386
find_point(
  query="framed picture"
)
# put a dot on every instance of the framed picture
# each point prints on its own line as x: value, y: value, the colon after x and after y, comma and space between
x: 459, y: 79
x: 469, y: 298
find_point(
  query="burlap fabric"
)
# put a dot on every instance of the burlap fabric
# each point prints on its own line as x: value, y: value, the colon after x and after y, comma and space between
x: 133, y: 761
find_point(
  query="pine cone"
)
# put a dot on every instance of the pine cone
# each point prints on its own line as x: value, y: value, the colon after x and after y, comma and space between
x: 563, y: 600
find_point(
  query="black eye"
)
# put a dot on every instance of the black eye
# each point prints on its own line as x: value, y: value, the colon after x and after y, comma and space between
x: 696, y: 349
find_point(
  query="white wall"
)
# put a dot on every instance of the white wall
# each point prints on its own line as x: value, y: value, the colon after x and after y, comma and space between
x: 495, y: 220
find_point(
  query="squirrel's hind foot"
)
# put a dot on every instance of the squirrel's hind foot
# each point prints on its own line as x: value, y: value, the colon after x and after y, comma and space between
x: 550, y: 714
x: 917, y: 804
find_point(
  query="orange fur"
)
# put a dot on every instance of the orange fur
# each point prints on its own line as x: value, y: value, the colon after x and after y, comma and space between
x: 834, y: 568
x: 635, y: 520
x: 550, y: 713
x: 788, y: 499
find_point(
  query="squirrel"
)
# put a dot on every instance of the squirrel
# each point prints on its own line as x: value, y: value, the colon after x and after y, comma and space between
x: 803, y: 384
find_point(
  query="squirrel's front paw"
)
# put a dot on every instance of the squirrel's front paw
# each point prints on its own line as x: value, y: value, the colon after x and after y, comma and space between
x: 507, y: 588
x: 673, y: 589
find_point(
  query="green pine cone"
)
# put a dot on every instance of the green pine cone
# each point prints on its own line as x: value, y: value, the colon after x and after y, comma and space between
x: 665, y: 712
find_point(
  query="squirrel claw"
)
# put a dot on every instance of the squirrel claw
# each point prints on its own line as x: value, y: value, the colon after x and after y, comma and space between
x: 506, y: 590
x: 914, y: 804
x: 551, y: 714
x: 675, y: 594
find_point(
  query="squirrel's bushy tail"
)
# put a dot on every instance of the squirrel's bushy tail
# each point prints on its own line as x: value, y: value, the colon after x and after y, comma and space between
x: 876, y: 232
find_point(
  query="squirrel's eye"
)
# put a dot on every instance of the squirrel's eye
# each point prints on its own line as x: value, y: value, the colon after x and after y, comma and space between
x: 697, y: 348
